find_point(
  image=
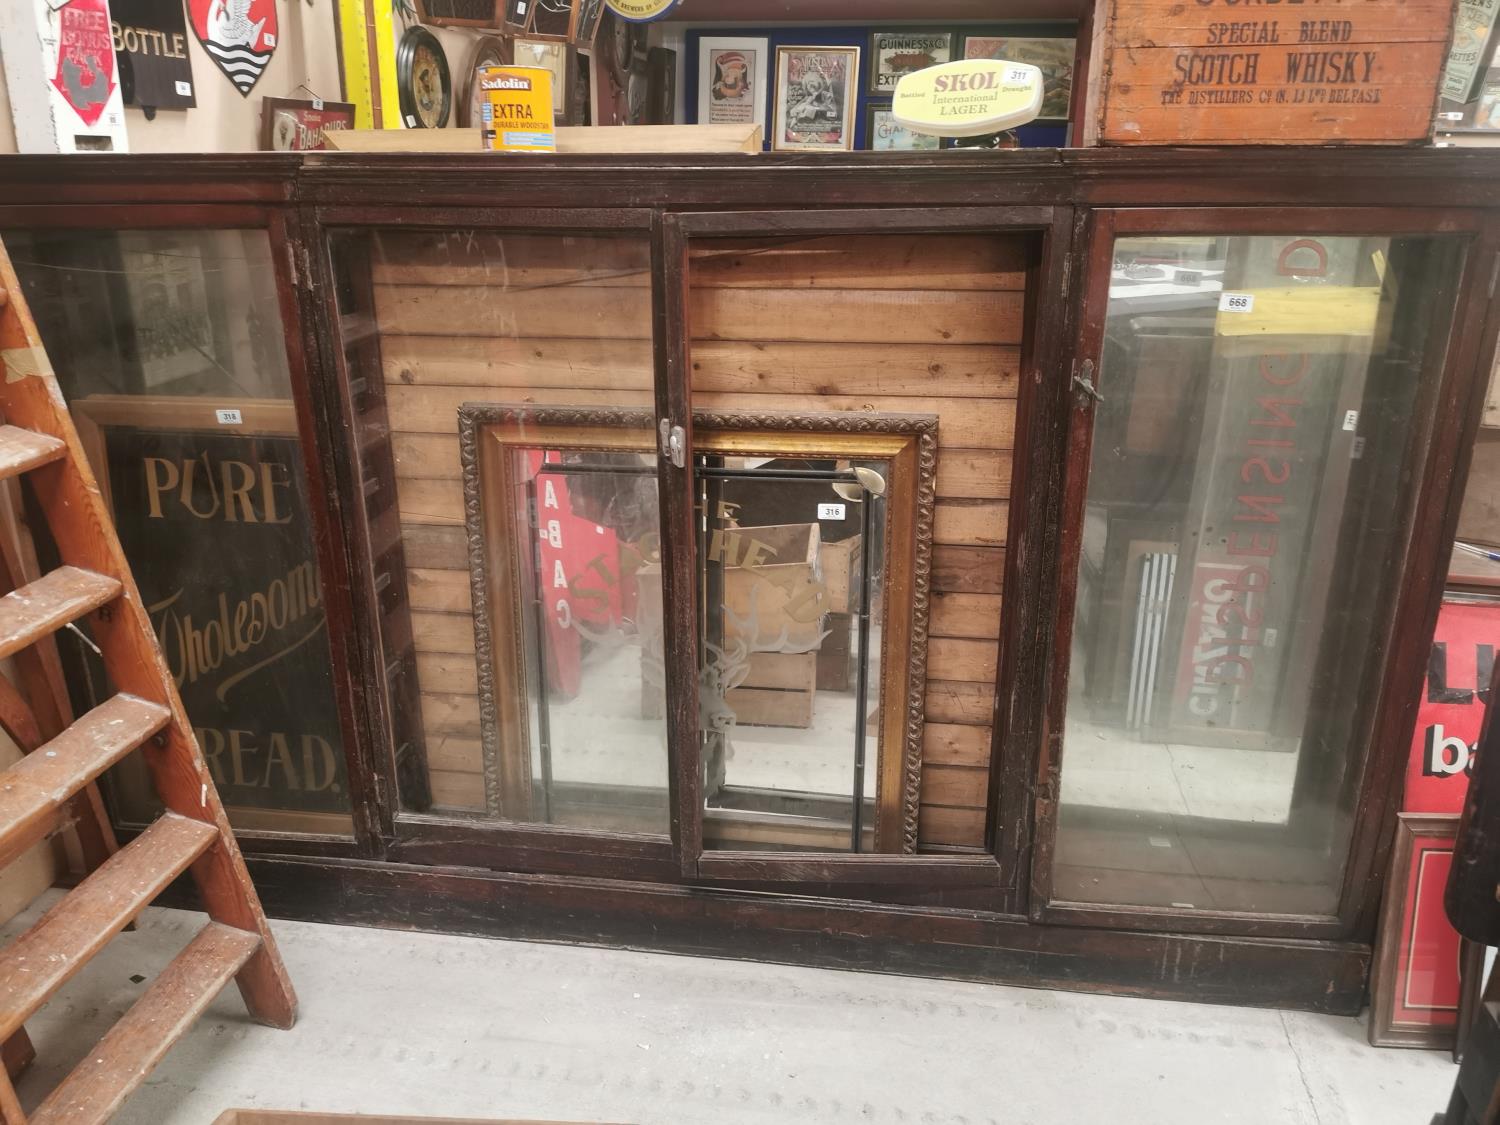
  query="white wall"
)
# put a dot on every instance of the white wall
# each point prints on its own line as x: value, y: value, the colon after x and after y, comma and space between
x: 224, y: 121
x: 7, y: 126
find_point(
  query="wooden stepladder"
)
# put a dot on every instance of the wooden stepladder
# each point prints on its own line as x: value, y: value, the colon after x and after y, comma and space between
x: 93, y: 589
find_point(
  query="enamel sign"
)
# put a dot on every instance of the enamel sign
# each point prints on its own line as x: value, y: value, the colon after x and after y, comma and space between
x: 239, y: 35
x: 85, y: 74
x: 968, y: 98
x: 640, y: 11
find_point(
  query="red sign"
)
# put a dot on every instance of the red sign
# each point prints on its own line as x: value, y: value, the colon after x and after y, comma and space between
x: 579, y: 576
x: 1452, y: 708
x: 85, y: 58
x: 239, y: 35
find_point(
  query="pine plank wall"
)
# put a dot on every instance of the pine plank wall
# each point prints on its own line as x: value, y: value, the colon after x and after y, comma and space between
x: 891, y: 323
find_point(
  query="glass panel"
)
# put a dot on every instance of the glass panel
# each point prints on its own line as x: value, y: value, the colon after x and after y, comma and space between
x: 1246, y: 514
x: 793, y: 559
x: 430, y: 321
x: 170, y: 349
x: 591, y: 625
x: 874, y: 327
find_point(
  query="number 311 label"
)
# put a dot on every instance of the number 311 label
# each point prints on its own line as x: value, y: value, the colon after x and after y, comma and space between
x: 1236, y: 302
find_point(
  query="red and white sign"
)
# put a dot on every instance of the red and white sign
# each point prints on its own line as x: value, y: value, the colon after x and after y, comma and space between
x: 1452, y: 709
x: 579, y: 577
x: 85, y: 58
x: 239, y: 35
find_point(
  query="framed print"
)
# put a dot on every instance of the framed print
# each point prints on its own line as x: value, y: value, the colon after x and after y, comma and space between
x: 1054, y: 57
x: 491, y: 50
x: 883, y: 134
x: 581, y: 97
x: 556, y: 57
x: 423, y: 81
x: 1416, y: 985
x: 551, y: 19
x: 460, y: 13
x: 732, y: 74
x: 295, y: 125
x: 815, y: 95
x: 586, y: 19
x: 661, y: 94
x: 901, y: 51
x: 1485, y: 113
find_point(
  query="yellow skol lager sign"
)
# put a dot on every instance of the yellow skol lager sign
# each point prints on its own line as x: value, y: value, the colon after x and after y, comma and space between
x: 968, y: 97
x: 640, y: 11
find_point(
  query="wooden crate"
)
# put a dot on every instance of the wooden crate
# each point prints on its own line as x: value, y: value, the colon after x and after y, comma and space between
x: 1218, y: 72
x: 765, y: 707
x: 840, y: 563
x: 771, y: 596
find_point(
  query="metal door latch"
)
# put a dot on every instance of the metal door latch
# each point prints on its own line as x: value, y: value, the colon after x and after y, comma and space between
x: 673, y: 443
x: 1083, y: 379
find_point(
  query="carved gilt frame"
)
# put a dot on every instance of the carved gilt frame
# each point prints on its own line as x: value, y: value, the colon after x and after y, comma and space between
x: 906, y: 442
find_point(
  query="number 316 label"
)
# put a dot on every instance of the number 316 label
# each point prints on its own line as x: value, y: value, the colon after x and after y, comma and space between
x: 1236, y: 302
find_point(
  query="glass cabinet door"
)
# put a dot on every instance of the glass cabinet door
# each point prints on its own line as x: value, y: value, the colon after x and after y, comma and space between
x: 1265, y: 401
x: 500, y: 386
x: 170, y: 348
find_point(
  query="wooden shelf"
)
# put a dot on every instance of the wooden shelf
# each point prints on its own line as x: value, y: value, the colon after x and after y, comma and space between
x: 876, y: 11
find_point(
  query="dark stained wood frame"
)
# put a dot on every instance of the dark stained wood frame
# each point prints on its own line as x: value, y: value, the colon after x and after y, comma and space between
x: 437, y: 836
x: 425, y: 872
x: 280, y: 225
x: 496, y: 20
x: 1389, y: 706
x: 1051, y: 227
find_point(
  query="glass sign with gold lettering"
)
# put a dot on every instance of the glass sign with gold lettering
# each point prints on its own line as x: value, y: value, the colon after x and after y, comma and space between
x: 169, y: 347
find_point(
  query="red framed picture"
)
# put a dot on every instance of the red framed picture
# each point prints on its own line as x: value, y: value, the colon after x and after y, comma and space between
x: 1417, y: 982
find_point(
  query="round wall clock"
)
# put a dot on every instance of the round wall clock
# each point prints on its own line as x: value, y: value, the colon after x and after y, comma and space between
x: 488, y: 51
x: 423, y: 80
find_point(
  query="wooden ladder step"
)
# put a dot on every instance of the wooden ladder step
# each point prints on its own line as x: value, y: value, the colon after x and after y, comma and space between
x: 130, y: 1051
x: 40, y: 608
x: 24, y: 450
x: 34, y: 792
x: 41, y: 960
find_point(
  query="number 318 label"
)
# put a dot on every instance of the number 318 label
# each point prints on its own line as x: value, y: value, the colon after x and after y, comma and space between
x: 1236, y: 302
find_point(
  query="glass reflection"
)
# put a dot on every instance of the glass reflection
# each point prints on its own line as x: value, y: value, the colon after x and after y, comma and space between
x: 1246, y: 493
x: 592, y: 638
x: 793, y: 562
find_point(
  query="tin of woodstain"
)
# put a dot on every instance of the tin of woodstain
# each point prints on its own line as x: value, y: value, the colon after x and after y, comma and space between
x: 515, y: 111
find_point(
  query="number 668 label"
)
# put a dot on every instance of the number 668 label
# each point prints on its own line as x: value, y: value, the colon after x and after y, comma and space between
x: 1236, y: 302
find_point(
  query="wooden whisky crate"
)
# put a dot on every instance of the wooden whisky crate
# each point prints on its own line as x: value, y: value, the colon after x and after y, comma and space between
x: 1227, y: 72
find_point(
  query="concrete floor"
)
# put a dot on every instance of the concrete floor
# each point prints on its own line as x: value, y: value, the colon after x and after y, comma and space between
x: 415, y: 1023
